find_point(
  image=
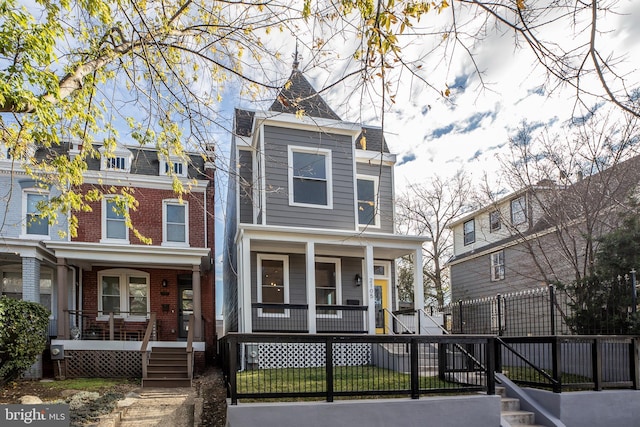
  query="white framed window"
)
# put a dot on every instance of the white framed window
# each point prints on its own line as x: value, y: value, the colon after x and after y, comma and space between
x: 273, y: 284
x: 328, y: 284
x: 469, y: 231
x: 497, y: 266
x: 114, y: 225
x: 495, y: 223
x: 310, y: 177
x: 518, y: 211
x: 368, y: 201
x: 34, y: 224
x: 172, y: 166
x: 118, y: 160
x: 123, y: 292
x: 11, y: 284
x: 175, y: 222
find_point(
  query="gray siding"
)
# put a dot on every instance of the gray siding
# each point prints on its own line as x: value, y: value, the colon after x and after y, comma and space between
x: 278, y: 211
x: 245, y: 175
x: 385, y: 193
x: 230, y: 264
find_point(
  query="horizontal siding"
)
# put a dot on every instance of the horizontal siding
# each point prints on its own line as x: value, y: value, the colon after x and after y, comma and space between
x: 245, y: 175
x: 385, y: 193
x: 278, y: 211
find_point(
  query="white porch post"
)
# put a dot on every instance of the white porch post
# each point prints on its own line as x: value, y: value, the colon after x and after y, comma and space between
x: 244, y: 286
x: 418, y: 285
x: 371, y: 293
x: 197, y: 303
x: 61, y: 279
x: 311, y: 286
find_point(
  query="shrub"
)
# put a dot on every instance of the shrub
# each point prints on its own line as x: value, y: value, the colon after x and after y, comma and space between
x: 22, y: 336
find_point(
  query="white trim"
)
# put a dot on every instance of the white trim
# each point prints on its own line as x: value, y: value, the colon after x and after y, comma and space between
x: 26, y: 192
x: 104, y: 238
x: 328, y: 165
x: 119, y: 152
x: 376, y: 201
x: 176, y: 162
x: 285, y: 281
x: 121, y: 345
x: 494, y: 258
x: 185, y: 205
x: 375, y: 158
x: 338, y: 269
x: 123, y: 275
x: 262, y: 176
x: 292, y: 121
x: 146, y: 181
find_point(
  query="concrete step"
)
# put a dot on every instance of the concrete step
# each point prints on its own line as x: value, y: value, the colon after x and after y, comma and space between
x: 510, y: 404
x: 519, y: 417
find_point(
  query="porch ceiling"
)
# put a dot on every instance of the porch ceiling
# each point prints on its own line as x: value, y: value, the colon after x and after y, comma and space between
x: 89, y: 254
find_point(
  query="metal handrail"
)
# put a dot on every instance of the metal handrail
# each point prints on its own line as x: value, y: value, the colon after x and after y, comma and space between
x: 190, y: 353
x: 399, y: 321
x: 145, y: 342
x: 434, y: 322
x: 553, y: 381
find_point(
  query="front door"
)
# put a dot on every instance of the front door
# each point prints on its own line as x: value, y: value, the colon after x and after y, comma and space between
x: 185, y: 306
x: 380, y: 287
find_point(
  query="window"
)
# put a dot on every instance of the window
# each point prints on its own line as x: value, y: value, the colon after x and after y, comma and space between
x: 114, y: 226
x: 494, y: 221
x: 123, y: 292
x: 11, y: 285
x: 174, y: 165
x: 518, y: 211
x: 175, y: 222
x: 469, y: 230
x: 367, y: 191
x: 497, y: 266
x: 310, y: 177
x: 35, y: 224
x: 328, y: 290
x: 273, y: 283
x: 118, y: 159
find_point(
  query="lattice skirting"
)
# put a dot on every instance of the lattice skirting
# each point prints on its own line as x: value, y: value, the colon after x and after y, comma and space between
x: 305, y: 355
x: 103, y: 364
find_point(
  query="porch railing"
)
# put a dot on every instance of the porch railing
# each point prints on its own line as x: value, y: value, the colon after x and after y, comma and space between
x: 261, y: 366
x: 98, y: 325
x: 294, y: 318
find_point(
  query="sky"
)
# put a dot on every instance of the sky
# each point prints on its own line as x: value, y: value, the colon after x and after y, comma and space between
x: 435, y: 135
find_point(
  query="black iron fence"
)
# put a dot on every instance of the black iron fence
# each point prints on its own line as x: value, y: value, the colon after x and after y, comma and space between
x: 293, y: 318
x: 267, y: 366
x: 570, y: 362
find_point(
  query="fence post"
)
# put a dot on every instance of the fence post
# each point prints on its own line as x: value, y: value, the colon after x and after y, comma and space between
x: 499, y: 300
x: 634, y: 292
x: 634, y: 361
x: 460, y: 315
x: 233, y: 369
x: 552, y: 309
x: 329, y: 367
x: 415, y: 379
x: 491, y: 363
x: 557, y: 360
x: 596, y: 359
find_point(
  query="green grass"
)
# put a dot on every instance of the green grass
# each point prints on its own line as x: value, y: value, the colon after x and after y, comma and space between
x: 87, y: 384
x: 522, y: 373
x: 345, y: 379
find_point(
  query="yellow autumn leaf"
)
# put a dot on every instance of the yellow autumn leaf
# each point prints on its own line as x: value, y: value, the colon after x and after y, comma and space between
x: 363, y: 142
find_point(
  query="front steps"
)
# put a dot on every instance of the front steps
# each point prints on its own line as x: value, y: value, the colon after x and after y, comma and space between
x: 168, y: 367
x: 511, y: 413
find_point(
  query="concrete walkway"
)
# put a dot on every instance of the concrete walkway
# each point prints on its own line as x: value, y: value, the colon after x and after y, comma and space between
x: 175, y: 407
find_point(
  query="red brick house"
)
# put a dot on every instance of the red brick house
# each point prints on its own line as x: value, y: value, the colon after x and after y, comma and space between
x: 123, y: 294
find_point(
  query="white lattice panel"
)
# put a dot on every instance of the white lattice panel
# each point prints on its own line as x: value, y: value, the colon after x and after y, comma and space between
x: 306, y: 355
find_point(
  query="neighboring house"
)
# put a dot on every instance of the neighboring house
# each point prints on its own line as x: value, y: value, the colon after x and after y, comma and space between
x: 309, y: 243
x: 539, y: 234
x: 104, y: 286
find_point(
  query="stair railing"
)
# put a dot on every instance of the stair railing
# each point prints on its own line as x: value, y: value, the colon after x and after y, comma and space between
x: 394, y: 317
x: 428, y: 316
x: 151, y: 326
x: 555, y: 383
x: 190, y: 346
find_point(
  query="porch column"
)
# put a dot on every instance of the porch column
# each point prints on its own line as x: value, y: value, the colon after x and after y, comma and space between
x: 418, y: 285
x: 244, y: 286
x: 31, y: 279
x: 197, y: 303
x: 371, y: 292
x: 63, y: 299
x: 311, y: 286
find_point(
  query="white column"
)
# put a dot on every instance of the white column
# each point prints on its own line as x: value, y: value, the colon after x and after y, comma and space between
x: 310, y: 252
x: 418, y: 285
x: 244, y: 285
x: 371, y: 293
x: 197, y: 303
x: 63, y: 301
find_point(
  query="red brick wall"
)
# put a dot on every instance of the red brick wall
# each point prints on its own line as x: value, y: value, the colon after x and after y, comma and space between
x: 147, y: 218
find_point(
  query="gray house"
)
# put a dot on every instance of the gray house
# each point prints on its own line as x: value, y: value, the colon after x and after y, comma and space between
x: 309, y: 242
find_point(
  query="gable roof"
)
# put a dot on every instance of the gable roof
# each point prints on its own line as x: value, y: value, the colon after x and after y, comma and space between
x: 297, y: 94
x: 374, y: 140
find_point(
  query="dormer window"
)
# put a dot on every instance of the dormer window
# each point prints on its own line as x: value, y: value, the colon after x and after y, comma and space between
x: 118, y: 160
x: 173, y: 166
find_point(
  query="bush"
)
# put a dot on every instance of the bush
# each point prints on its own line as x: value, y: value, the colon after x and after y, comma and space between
x: 22, y: 336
